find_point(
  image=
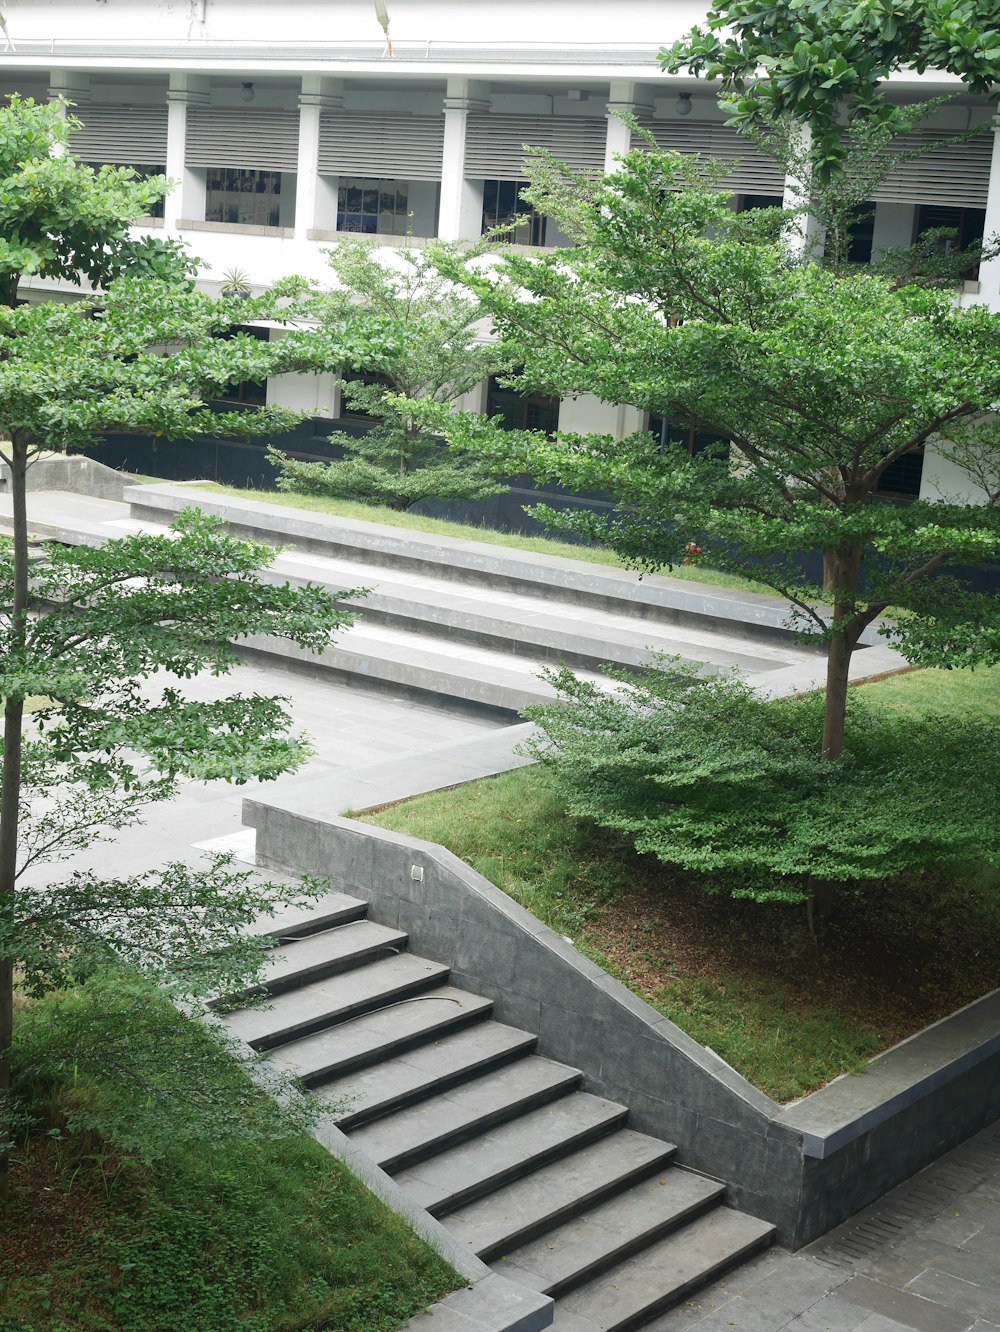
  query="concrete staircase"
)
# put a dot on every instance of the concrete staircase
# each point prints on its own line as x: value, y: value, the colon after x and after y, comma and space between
x: 542, y: 1180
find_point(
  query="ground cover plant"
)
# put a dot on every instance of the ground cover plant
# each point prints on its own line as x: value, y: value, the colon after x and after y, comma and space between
x: 744, y: 977
x: 183, y: 1198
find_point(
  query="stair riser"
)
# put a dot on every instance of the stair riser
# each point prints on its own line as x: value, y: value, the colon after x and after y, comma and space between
x: 578, y: 1207
x: 366, y: 1116
x: 273, y: 1039
x: 639, y: 1320
x: 317, y: 926
x: 332, y: 967
x: 483, y: 1187
x: 504, y: 706
x: 316, y: 1077
x: 503, y: 1115
x: 634, y: 1246
x: 567, y: 653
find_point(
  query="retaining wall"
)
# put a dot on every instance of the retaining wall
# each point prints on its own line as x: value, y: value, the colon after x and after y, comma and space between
x: 804, y: 1167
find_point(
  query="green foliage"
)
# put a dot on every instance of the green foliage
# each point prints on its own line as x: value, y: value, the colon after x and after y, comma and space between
x: 709, y: 776
x: 817, y: 55
x: 100, y: 746
x: 426, y: 343
x: 180, y: 1196
x: 154, y: 1085
x: 813, y: 381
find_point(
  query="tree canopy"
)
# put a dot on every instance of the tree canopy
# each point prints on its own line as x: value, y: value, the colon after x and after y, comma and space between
x: 813, y: 384
x: 808, y: 58
x: 425, y: 340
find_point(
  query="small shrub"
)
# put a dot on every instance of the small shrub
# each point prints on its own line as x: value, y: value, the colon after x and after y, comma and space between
x: 708, y: 776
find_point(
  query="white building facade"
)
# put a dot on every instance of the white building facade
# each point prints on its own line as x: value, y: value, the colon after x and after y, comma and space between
x: 286, y: 126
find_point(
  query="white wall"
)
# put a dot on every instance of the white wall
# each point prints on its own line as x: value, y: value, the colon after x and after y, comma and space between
x: 587, y: 415
x: 942, y: 480
x: 893, y: 226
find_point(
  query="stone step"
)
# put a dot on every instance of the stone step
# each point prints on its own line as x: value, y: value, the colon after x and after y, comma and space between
x: 519, y: 1212
x: 394, y: 1083
x: 336, y: 999
x: 457, y: 1176
x: 588, y: 1245
x: 379, y: 1035
x: 634, y: 1291
x: 467, y: 1111
x: 294, y: 922
x: 336, y: 949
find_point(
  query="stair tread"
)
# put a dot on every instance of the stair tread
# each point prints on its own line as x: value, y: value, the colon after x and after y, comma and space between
x: 330, y: 909
x: 563, y: 1255
x: 371, y: 1090
x: 495, y: 1224
x: 330, y: 948
x: 458, y: 1174
x: 366, y: 1038
x: 335, y: 998
x: 481, y: 1102
x: 661, y: 1274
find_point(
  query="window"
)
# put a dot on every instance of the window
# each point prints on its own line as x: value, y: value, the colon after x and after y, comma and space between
x: 967, y: 223
x: 369, y: 378
x: 250, y: 392
x: 747, y: 201
x: 901, y: 479
x: 691, y: 441
x: 502, y: 203
x: 249, y: 198
x: 522, y: 411
x: 143, y: 170
x: 861, y: 234
x: 367, y: 204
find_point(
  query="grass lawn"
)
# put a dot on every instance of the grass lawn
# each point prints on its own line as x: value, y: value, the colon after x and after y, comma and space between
x: 219, y: 1235
x: 741, y: 977
x: 373, y: 513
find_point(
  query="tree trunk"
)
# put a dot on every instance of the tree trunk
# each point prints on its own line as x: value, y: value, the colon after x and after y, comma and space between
x: 841, y: 576
x: 11, y: 792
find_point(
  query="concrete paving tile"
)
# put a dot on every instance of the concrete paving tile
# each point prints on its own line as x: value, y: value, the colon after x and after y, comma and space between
x: 911, y: 1310
x: 975, y: 1298
x: 879, y: 1323
x: 830, y: 1314
x: 790, y: 1290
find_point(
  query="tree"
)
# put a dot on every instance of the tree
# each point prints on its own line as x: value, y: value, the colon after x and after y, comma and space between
x: 430, y: 346
x: 806, y: 59
x: 814, y: 384
x: 79, y: 629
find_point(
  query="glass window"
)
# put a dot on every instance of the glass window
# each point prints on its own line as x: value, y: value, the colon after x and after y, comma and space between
x: 522, y: 411
x: 249, y: 198
x: 502, y: 203
x: 370, y: 205
x: 143, y: 170
x: 691, y: 441
x: 968, y: 224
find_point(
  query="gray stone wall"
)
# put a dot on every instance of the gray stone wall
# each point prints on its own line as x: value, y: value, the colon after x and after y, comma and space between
x: 805, y: 1167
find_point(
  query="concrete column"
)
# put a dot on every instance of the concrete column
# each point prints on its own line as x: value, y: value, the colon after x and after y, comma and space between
x: 461, y: 213
x: 316, y: 197
x: 71, y: 85
x: 804, y: 236
x: 625, y: 95
x: 989, y: 270
x: 187, y: 198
